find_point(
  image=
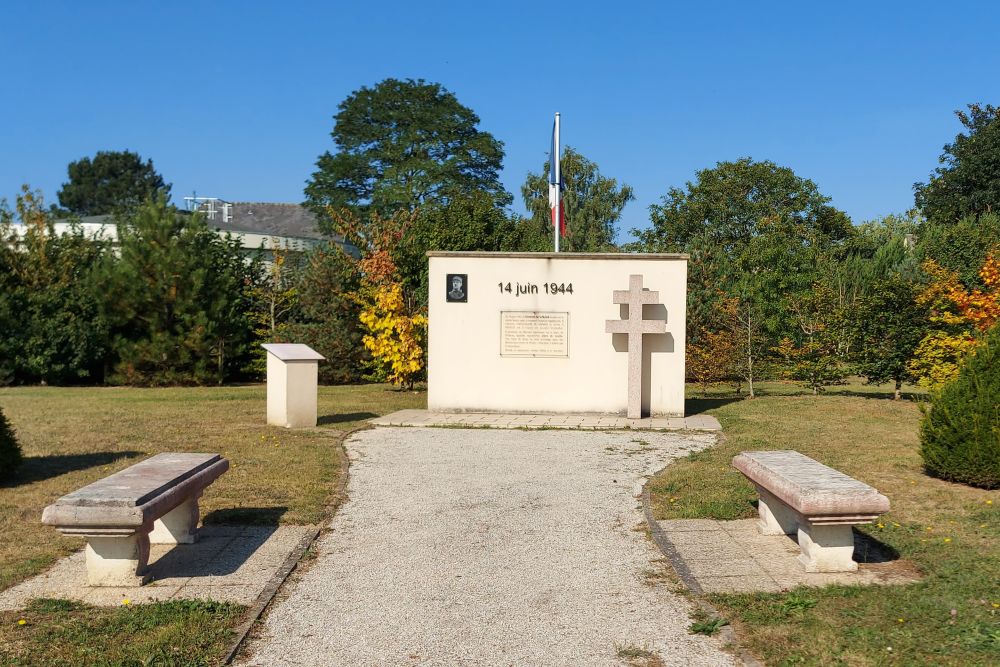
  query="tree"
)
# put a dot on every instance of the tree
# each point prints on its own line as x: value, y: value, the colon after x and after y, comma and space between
x: 467, y: 222
x: 957, y: 315
x: 728, y: 203
x: 404, y: 144
x: 326, y: 317
x: 111, y: 181
x: 395, y: 321
x: 273, y: 299
x: 968, y: 181
x: 960, y: 433
x: 890, y: 324
x: 756, y: 232
x: 961, y: 246
x: 10, y: 450
x: 810, y: 352
x: 53, y: 330
x: 592, y: 203
x: 179, y: 309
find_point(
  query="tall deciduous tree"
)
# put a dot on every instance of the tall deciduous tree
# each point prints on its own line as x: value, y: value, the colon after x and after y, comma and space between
x: 405, y: 144
x: 592, y: 203
x: 51, y: 327
x: 467, y: 222
x: 111, y: 181
x: 968, y: 180
x: 729, y: 202
x: 757, y: 232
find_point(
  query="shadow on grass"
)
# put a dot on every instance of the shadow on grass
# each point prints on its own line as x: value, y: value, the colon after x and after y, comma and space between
x: 246, y: 516
x: 867, y: 549
x: 912, y: 396
x: 696, y: 406
x: 38, y: 468
x: 344, y: 418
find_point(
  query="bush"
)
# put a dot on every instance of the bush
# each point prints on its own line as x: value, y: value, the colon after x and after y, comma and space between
x: 10, y: 451
x: 960, y: 433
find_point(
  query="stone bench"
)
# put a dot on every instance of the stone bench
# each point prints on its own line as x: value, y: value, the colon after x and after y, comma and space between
x: 154, y: 501
x: 803, y: 497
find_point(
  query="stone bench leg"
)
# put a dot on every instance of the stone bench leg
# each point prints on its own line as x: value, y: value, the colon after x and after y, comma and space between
x: 179, y: 525
x: 776, y: 518
x: 826, y: 548
x: 118, y: 560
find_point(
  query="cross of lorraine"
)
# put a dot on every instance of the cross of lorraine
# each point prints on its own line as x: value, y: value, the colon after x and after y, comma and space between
x: 635, y: 297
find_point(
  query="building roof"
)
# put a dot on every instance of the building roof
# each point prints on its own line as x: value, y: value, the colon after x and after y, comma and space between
x: 270, y: 219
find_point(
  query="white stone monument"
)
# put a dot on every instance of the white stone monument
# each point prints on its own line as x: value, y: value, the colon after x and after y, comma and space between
x: 292, y: 372
x: 557, y: 333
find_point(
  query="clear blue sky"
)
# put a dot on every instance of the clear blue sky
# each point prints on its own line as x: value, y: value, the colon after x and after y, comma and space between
x: 235, y: 99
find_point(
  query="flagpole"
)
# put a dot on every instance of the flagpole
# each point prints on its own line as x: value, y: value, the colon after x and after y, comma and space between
x: 555, y: 157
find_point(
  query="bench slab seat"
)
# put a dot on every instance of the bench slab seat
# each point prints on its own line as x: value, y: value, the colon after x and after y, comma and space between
x: 800, y: 496
x: 154, y: 501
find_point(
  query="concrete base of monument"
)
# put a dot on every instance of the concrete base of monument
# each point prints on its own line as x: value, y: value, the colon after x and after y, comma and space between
x: 586, y: 422
x: 226, y: 564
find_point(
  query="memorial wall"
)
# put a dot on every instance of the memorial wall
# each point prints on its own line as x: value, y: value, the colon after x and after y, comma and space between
x: 551, y: 333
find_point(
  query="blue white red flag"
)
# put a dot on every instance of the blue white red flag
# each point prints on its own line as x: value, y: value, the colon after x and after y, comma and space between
x: 555, y: 182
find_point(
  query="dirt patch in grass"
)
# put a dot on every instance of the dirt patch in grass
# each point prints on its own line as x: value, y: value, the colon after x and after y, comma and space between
x: 74, y: 436
x: 948, y: 532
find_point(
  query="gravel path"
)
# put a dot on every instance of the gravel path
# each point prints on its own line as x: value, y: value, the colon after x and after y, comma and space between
x: 488, y: 547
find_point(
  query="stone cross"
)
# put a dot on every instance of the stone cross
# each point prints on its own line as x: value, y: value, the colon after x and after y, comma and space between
x: 635, y: 297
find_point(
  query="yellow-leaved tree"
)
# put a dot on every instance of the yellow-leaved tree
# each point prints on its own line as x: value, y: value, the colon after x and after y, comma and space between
x: 395, y: 325
x: 960, y: 315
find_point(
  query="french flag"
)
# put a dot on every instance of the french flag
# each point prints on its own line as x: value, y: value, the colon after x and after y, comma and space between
x: 556, y: 184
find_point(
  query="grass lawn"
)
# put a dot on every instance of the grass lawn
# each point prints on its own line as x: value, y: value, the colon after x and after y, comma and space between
x: 950, y: 532
x: 73, y: 436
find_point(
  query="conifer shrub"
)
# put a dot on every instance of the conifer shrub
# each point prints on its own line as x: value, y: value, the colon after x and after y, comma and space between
x: 10, y: 451
x: 960, y: 432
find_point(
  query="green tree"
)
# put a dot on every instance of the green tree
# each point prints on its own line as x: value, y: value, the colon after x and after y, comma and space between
x: 111, y: 181
x: 757, y: 233
x: 968, y: 181
x: 326, y: 318
x: 10, y: 450
x: 728, y: 203
x: 467, y: 222
x: 810, y: 350
x: 50, y: 307
x: 404, y: 144
x: 593, y: 203
x: 889, y: 326
x: 178, y: 311
x: 272, y: 299
x: 961, y: 246
x: 960, y: 432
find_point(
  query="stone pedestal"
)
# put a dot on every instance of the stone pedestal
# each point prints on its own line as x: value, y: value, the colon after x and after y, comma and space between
x: 118, y: 560
x: 776, y: 518
x: 826, y: 548
x: 179, y: 525
x: 292, y: 371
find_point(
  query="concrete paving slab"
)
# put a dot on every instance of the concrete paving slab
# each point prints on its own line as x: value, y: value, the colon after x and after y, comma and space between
x: 683, y: 525
x: 588, y: 421
x: 235, y: 562
x: 735, y: 557
x: 739, y: 585
x: 718, y: 567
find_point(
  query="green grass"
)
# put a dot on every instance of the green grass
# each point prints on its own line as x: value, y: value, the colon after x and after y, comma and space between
x: 74, y: 436
x: 58, y: 632
x: 949, y: 532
